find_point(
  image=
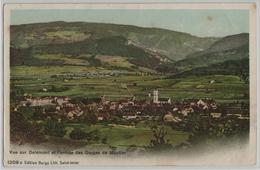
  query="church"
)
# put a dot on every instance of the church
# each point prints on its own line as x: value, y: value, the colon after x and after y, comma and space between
x: 158, y: 100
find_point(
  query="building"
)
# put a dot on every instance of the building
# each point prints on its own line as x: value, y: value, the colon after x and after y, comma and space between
x: 215, y: 115
x: 170, y: 118
x: 103, y: 116
x: 165, y: 100
x: 129, y: 117
x: 155, y: 96
x: 75, y: 113
x: 158, y: 100
x: 40, y: 101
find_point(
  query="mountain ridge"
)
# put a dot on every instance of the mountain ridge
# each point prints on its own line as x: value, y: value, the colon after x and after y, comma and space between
x: 228, y: 48
x: 175, y: 45
x: 120, y: 46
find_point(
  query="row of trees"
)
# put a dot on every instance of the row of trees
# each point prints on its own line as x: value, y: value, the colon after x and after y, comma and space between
x: 203, y: 128
x: 23, y: 129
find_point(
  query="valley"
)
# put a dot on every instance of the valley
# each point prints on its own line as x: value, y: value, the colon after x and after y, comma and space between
x: 92, y: 85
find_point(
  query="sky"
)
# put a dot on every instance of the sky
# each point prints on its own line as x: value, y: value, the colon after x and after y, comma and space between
x: 203, y: 23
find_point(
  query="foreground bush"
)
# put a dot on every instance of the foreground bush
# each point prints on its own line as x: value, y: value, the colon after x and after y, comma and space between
x: 78, y: 134
x: 55, y: 128
x: 22, y: 131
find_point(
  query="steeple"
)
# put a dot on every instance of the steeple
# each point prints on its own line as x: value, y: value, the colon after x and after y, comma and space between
x: 155, y: 96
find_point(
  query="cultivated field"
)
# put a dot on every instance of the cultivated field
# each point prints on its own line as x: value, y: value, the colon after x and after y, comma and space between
x: 90, y: 82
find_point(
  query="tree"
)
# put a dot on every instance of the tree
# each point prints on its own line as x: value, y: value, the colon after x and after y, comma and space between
x: 38, y: 113
x: 104, y: 140
x: 224, y: 128
x: 22, y: 131
x: 55, y: 128
x: 79, y: 134
x: 90, y: 118
x: 159, y: 142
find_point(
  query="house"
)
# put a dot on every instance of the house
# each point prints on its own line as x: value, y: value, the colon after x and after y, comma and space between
x: 165, y: 100
x: 130, y: 116
x: 58, y: 108
x: 213, y: 106
x: 61, y: 100
x: 186, y: 111
x: 112, y: 107
x: 175, y: 109
x: 145, y: 117
x: 201, y: 103
x: 170, y: 118
x: 235, y: 115
x: 212, y: 81
x: 15, y: 109
x: 100, y: 118
x: 138, y: 113
x: 119, y: 107
x: 127, y: 103
x: 215, y: 115
x: 103, y: 116
x: 100, y: 108
x: 243, y: 118
x: 68, y: 105
x: 205, y: 107
x: 40, y: 101
x: 72, y: 114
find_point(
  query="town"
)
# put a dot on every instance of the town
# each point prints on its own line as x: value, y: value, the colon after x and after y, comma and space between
x: 155, y: 108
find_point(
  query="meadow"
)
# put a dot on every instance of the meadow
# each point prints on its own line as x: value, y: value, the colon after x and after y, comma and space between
x: 222, y: 88
x: 72, y: 81
x: 121, y: 62
x: 120, y: 135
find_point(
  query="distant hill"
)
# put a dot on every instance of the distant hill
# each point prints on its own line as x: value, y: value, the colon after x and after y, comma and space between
x: 238, y: 67
x: 121, y: 47
x: 110, y: 52
x: 174, y: 45
x: 233, y: 47
x: 230, y: 42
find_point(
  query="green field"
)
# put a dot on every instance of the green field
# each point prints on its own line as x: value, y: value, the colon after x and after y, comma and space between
x: 85, y: 61
x: 119, y: 135
x: 32, y: 80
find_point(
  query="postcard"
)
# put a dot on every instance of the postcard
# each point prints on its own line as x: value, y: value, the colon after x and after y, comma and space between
x: 130, y: 84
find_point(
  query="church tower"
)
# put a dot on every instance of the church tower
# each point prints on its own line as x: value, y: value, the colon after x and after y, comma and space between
x: 155, y: 96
